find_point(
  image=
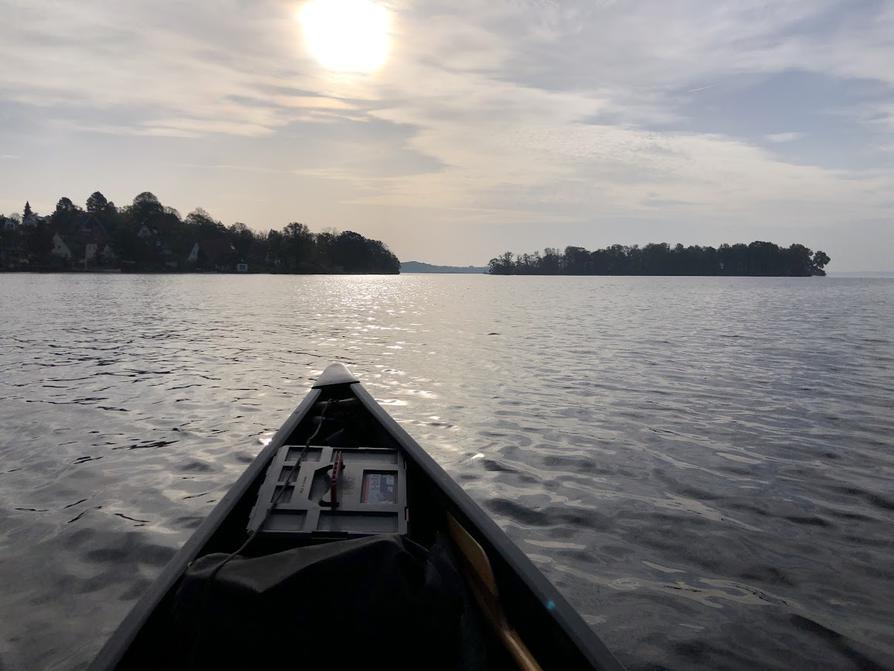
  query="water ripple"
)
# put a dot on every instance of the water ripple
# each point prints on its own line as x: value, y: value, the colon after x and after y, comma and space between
x: 702, y: 466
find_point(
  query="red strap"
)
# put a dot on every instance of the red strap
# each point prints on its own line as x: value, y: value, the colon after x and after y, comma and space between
x: 337, y: 468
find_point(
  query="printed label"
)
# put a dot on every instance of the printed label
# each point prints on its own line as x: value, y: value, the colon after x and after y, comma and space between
x: 379, y: 488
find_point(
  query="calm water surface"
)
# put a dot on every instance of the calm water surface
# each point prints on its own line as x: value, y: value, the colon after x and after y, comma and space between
x: 703, y: 466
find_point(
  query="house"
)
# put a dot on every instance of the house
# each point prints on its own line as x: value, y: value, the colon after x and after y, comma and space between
x: 213, y: 253
x: 60, y: 249
x: 242, y: 267
x: 145, y: 232
x: 33, y: 220
x: 108, y: 255
x: 91, y: 227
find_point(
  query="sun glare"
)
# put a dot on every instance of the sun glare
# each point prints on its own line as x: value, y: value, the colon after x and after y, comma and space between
x: 346, y: 35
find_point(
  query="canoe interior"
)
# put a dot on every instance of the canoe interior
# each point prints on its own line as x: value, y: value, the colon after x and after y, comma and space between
x: 552, y: 630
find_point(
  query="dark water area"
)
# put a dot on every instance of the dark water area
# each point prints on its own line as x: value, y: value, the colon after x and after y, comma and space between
x: 703, y: 466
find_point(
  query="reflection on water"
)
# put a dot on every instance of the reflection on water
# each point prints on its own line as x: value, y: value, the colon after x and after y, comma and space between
x: 702, y: 466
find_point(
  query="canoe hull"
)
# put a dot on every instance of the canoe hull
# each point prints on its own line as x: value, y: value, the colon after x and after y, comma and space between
x: 553, y: 631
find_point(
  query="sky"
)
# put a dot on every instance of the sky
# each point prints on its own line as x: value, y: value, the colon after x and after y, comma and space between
x: 490, y: 125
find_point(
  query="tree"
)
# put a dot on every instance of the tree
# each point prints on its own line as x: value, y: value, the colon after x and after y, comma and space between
x: 97, y: 203
x: 38, y: 241
x: 501, y: 265
x: 273, y: 243
x: 324, y: 248
x: 298, y: 247
x: 353, y: 253
x: 204, y: 222
x: 820, y: 260
x: 243, y: 240
x: 146, y: 205
x: 576, y: 261
x: 66, y: 215
x: 552, y: 260
x: 65, y: 206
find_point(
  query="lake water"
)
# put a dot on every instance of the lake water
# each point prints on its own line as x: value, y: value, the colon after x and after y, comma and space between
x: 703, y: 466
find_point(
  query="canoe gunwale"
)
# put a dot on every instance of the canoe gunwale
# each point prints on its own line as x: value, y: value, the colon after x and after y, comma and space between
x: 473, y: 517
x: 124, y: 635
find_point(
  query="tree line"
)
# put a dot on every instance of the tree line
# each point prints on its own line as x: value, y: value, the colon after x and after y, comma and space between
x: 758, y: 259
x: 147, y: 236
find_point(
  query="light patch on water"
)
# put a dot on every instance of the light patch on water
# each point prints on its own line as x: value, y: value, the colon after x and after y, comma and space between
x: 663, y: 569
x: 556, y: 545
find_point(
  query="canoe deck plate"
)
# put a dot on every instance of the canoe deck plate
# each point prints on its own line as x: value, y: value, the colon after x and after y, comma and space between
x: 337, y: 492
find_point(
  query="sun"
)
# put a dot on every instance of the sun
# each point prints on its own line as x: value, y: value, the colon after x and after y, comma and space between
x: 346, y: 35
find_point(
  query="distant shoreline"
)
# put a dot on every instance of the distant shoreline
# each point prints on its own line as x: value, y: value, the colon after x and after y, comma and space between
x: 146, y: 236
x: 861, y: 273
x: 422, y: 267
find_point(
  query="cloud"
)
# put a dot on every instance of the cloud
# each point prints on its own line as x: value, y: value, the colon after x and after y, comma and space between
x: 880, y: 116
x: 221, y: 63
x: 507, y: 138
x: 779, y: 138
x: 175, y: 68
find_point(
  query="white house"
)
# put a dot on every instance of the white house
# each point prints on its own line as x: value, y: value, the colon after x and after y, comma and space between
x: 60, y: 249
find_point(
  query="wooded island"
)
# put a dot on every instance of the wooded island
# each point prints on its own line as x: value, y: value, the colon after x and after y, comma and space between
x: 757, y: 259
